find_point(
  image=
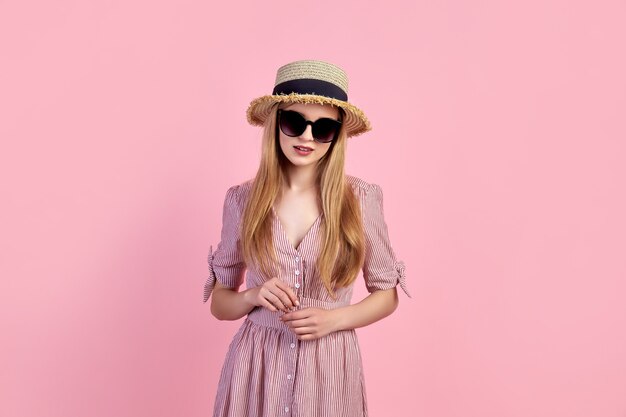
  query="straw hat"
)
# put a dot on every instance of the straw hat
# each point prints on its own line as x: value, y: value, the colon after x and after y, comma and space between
x: 310, y: 81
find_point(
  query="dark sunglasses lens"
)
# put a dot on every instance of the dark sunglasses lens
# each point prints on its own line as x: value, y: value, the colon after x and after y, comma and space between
x: 292, y: 123
x: 325, y: 130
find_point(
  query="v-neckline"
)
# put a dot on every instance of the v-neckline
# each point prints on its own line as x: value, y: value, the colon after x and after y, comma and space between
x: 284, y: 232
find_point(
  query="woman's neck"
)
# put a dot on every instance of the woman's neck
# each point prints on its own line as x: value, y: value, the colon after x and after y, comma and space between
x: 300, y: 178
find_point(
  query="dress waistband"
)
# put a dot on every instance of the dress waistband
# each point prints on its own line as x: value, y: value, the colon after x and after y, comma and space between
x: 264, y: 317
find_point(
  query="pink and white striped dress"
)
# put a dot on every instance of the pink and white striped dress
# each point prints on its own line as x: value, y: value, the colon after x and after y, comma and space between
x: 268, y: 372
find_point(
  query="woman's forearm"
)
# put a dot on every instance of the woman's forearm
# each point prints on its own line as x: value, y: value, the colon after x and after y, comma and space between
x: 372, y: 308
x: 232, y: 304
x: 229, y: 303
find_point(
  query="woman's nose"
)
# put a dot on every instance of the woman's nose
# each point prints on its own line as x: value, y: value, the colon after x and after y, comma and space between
x: 308, y: 133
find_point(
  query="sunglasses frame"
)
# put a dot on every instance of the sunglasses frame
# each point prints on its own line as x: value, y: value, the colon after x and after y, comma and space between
x: 309, y: 122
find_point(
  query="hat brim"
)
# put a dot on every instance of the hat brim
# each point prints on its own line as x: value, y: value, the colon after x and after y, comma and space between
x: 354, y: 121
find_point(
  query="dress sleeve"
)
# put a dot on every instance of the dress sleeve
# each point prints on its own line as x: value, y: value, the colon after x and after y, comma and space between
x: 381, y: 270
x: 226, y: 264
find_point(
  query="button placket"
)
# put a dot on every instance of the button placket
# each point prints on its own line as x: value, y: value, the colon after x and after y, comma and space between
x: 290, y: 371
x: 298, y: 272
x: 290, y: 374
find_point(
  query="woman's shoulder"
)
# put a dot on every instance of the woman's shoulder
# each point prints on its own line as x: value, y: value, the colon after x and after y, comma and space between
x: 242, y: 187
x: 360, y: 186
x: 239, y: 192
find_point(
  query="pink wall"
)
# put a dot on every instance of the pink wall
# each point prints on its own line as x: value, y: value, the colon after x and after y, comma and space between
x: 499, y: 141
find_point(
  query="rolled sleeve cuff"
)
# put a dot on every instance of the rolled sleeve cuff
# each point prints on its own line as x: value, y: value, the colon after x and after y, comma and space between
x: 400, y: 269
x: 210, y: 282
x: 390, y: 279
x: 228, y: 275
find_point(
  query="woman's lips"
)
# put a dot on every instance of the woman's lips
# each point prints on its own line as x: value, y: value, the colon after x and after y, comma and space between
x: 303, y: 150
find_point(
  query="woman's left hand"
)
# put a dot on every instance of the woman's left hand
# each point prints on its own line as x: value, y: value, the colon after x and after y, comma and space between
x: 311, y: 323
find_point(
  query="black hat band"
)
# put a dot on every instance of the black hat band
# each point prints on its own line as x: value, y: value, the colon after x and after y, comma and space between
x: 311, y: 86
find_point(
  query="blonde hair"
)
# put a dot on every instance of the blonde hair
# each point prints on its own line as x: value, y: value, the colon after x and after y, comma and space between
x: 342, y: 245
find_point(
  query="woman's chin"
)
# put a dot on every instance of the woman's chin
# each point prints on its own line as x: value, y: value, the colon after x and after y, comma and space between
x: 300, y: 161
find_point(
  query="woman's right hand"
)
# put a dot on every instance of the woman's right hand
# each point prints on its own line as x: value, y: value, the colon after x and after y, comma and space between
x: 274, y: 295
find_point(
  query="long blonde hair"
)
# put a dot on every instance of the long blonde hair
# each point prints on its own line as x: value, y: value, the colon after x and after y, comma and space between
x: 342, y: 249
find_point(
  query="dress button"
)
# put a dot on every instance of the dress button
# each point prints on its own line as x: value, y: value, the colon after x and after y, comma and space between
x: 297, y: 285
x: 297, y: 272
x: 293, y: 345
x: 286, y: 409
x: 289, y: 376
x: 297, y: 258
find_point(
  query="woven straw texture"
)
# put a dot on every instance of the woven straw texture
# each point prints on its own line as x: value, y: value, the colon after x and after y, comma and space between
x: 317, y: 70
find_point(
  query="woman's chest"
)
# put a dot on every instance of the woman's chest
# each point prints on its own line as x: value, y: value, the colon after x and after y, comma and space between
x: 296, y: 216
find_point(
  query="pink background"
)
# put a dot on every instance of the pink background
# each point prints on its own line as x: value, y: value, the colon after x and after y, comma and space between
x: 499, y: 141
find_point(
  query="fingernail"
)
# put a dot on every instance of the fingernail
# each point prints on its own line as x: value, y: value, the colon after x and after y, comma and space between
x: 297, y: 302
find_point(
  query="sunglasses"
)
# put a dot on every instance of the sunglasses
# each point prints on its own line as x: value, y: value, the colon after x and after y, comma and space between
x: 293, y: 124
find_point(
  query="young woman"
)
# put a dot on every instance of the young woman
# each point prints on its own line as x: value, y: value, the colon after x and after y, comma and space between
x: 303, y: 230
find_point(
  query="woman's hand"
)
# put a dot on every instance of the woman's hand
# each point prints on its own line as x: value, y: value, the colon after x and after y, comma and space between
x: 311, y: 323
x: 274, y: 295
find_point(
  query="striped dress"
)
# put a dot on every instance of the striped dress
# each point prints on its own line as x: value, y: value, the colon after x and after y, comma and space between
x: 268, y: 372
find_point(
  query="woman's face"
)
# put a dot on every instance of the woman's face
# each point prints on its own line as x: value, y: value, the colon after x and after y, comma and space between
x: 303, y: 150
